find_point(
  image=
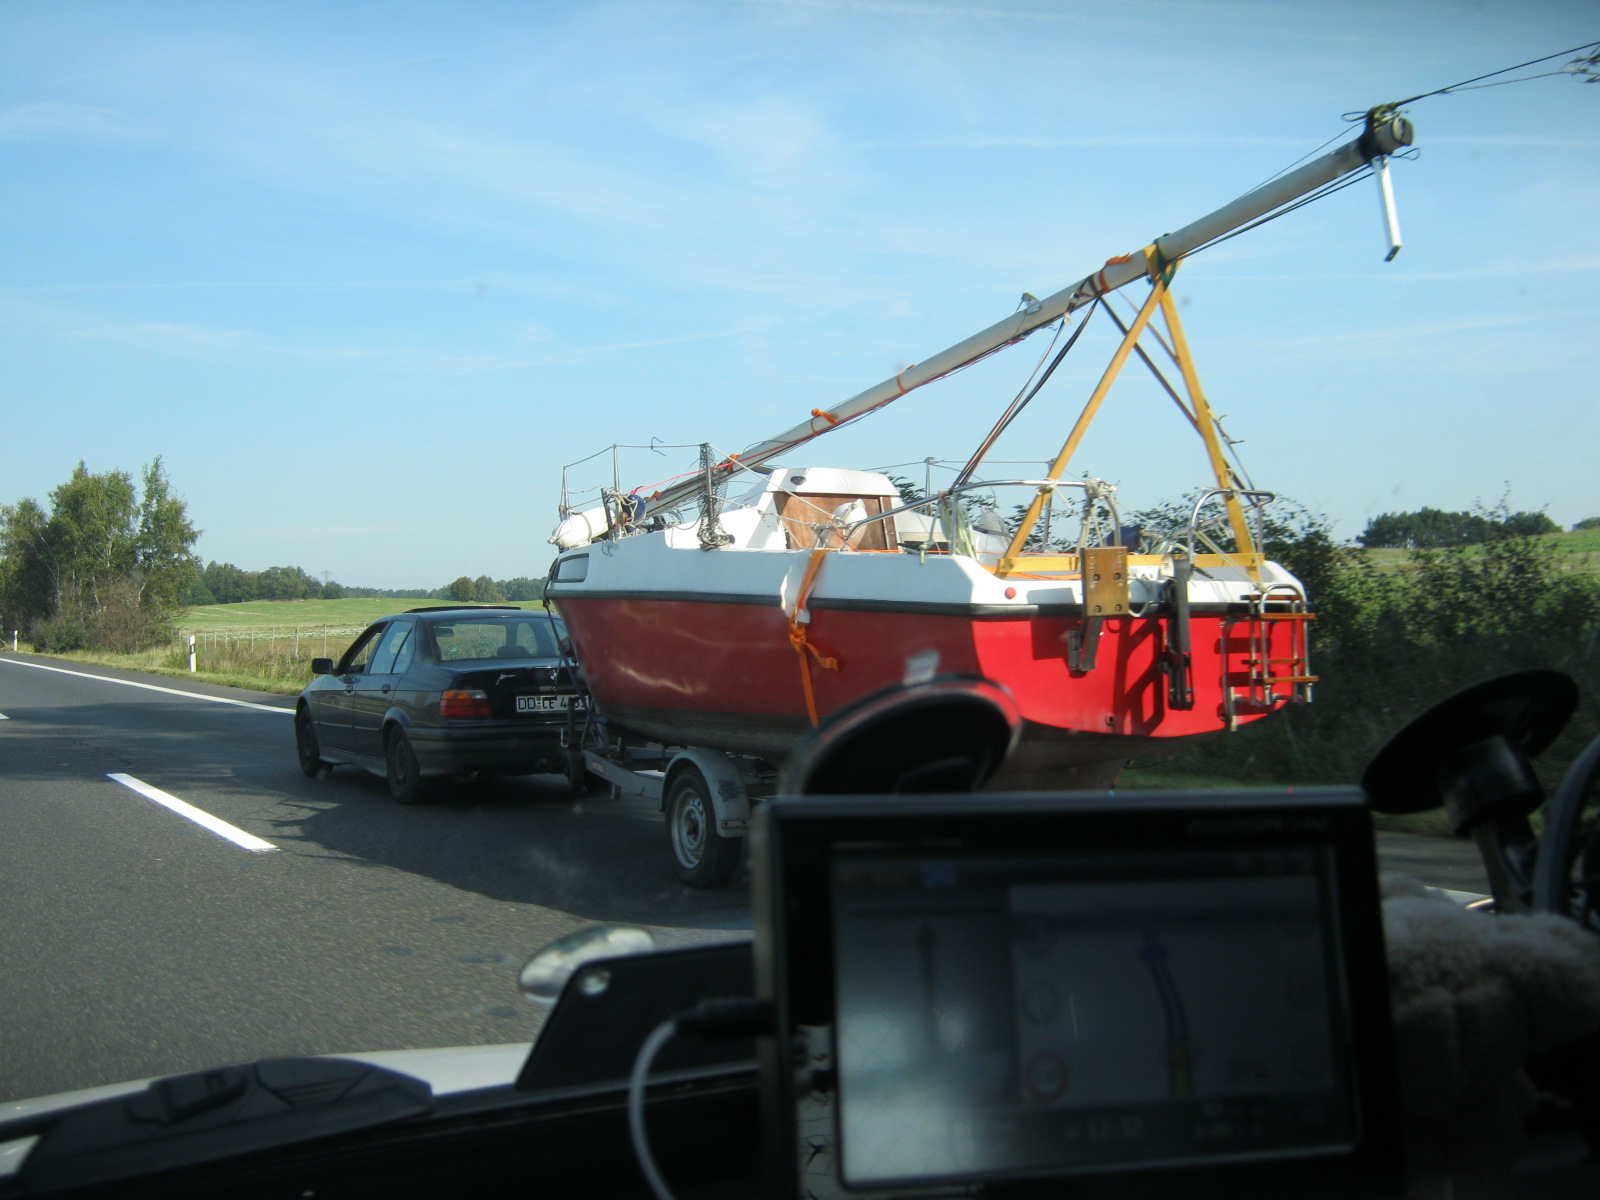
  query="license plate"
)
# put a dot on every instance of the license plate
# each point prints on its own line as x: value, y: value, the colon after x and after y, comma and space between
x: 530, y: 704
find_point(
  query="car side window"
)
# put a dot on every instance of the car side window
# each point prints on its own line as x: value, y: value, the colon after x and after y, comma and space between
x: 356, y: 658
x: 404, y: 655
x: 383, y: 659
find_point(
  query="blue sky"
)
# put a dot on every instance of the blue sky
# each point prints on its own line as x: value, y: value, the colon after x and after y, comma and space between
x: 367, y: 274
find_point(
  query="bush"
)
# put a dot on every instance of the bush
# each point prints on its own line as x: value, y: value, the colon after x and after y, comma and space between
x: 121, y: 624
x: 1386, y: 646
x: 58, y: 634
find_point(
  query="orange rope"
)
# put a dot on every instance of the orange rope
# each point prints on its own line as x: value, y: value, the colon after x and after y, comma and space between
x: 797, y: 635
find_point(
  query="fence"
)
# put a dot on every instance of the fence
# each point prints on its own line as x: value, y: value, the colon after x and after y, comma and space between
x: 271, y: 652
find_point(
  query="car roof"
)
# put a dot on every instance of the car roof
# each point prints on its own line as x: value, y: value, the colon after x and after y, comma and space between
x: 468, y: 608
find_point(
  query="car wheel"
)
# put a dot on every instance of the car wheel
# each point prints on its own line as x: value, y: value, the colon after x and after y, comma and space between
x: 702, y: 856
x: 307, y: 747
x: 406, y: 783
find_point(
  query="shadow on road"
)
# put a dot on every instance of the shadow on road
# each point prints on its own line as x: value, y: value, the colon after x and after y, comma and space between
x: 523, y: 840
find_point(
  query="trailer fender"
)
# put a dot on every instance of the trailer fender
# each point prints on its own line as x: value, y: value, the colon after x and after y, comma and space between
x: 729, y: 798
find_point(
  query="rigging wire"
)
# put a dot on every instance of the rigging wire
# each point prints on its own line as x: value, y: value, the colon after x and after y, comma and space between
x: 1325, y: 190
x: 1463, y: 85
x: 1020, y: 403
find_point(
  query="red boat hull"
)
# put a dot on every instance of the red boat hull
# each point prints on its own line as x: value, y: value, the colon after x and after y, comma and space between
x: 715, y: 673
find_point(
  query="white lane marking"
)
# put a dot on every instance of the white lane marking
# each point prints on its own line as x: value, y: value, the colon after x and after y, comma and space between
x: 151, y: 687
x: 3, y: 717
x: 199, y: 816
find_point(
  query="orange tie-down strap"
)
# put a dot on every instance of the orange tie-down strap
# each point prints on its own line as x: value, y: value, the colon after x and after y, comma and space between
x: 797, y: 634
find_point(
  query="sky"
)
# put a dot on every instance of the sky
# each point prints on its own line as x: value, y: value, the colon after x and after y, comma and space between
x: 367, y: 275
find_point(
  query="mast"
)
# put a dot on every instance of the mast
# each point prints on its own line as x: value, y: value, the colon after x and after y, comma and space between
x: 1384, y: 134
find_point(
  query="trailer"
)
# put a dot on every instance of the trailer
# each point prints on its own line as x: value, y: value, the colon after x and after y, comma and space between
x: 705, y: 794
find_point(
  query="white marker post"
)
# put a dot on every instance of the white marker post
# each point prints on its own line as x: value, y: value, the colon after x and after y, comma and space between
x: 191, y: 654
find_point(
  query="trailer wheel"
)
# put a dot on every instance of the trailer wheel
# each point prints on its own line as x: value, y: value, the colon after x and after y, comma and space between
x: 702, y: 856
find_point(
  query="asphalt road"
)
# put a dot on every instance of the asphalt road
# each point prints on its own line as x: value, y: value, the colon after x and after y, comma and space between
x: 135, y: 942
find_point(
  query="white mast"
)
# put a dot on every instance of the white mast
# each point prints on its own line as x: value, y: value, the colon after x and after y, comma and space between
x: 1382, y: 137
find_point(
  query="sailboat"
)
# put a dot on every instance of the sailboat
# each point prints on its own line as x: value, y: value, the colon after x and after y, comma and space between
x: 703, y: 616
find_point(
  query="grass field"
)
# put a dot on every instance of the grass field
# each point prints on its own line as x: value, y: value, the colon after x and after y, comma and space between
x: 296, y: 614
x: 266, y: 645
x: 1576, y: 551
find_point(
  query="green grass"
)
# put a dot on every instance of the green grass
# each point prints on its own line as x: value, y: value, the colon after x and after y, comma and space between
x: 1577, y: 550
x: 358, y: 612
x: 265, y: 645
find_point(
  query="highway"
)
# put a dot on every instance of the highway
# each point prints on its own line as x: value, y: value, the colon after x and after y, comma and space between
x: 138, y: 942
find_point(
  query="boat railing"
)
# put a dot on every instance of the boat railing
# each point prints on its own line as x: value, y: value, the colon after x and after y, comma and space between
x: 1196, y: 534
x: 1195, y: 538
x: 943, y: 497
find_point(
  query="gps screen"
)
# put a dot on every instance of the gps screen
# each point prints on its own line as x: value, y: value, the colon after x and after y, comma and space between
x: 1008, y: 1016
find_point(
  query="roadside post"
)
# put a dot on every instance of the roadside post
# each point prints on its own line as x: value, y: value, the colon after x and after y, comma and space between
x: 191, y: 654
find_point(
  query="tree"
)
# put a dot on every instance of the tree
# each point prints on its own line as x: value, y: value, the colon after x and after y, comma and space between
x: 106, y: 565
x: 1586, y: 523
x: 1434, y: 529
x: 163, y: 564
x: 488, y: 591
x: 286, y: 583
x: 462, y: 589
x: 523, y: 589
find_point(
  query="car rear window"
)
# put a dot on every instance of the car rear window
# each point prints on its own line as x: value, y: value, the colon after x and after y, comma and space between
x: 496, y: 637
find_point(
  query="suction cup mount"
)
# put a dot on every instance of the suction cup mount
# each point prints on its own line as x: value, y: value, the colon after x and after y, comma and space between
x: 946, y: 734
x: 1472, y: 754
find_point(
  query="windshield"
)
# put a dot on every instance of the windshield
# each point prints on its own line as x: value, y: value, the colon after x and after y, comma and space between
x: 308, y: 304
x: 502, y: 637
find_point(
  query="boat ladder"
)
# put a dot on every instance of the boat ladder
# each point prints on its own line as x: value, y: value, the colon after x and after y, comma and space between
x: 1277, y: 657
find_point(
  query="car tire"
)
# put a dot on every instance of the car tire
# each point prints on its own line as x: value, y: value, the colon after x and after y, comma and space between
x: 406, y: 783
x: 702, y: 857
x: 307, y: 748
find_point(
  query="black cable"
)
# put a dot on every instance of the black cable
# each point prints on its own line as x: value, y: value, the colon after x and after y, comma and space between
x: 1326, y: 190
x: 1490, y: 75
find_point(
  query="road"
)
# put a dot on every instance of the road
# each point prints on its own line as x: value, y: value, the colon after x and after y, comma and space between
x: 136, y: 942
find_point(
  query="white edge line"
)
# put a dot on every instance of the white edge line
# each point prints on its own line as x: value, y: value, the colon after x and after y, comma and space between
x: 199, y: 816
x: 151, y: 687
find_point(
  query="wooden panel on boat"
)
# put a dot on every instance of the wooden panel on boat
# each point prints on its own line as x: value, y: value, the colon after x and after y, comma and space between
x: 806, y: 520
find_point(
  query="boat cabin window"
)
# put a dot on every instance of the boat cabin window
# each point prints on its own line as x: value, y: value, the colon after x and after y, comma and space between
x: 820, y: 519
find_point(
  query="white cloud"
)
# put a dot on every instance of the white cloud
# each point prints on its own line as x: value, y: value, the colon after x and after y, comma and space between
x: 86, y: 120
x: 163, y: 337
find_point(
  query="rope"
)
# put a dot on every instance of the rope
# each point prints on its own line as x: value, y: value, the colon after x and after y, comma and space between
x: 797, y: 635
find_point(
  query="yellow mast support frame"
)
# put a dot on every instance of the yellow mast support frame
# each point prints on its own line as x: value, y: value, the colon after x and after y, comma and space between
x: 1013, y: 560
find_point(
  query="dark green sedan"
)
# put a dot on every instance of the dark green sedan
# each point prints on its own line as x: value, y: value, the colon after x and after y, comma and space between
x: 443, y: 692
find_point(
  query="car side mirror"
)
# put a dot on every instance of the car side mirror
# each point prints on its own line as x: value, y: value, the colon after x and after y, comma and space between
x: 322, y: 666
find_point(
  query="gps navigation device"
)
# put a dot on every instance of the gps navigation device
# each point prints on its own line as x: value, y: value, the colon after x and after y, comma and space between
x: 1154, y: 993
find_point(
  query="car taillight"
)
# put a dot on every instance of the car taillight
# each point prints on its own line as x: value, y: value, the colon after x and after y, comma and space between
x: 468, y: 702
